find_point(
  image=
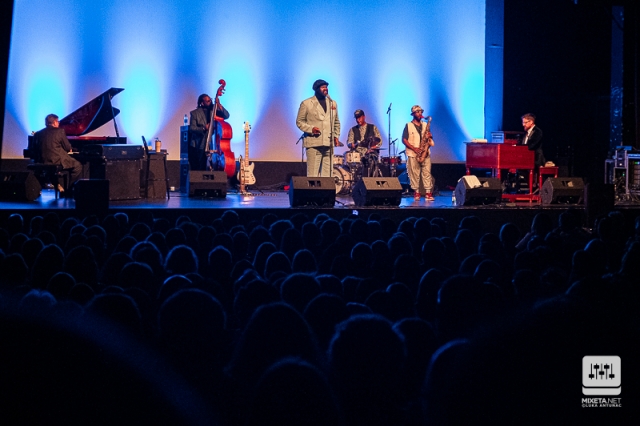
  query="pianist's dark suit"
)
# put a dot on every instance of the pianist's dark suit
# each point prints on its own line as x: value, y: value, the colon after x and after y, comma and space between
x: 54, y: 147
x: 534, y: 143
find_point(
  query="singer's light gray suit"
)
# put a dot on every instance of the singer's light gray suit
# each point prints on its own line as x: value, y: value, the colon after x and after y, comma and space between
x: 310, y: 115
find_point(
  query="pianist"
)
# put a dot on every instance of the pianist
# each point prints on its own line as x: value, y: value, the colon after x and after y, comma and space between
x: 54, y: 148
x: 198, y: 129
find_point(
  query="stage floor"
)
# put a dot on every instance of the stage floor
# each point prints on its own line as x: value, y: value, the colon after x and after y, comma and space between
x: 253, y: 208
x: 255, y: 199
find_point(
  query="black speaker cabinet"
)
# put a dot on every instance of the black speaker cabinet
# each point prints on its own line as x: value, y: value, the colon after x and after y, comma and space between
x: 207, y: 184
x: 91, y: 195
x: 377, y: 191
x: 19, y: 186
x: 123, y: 175
x: 472, y: 190
x: 568, y: 190
x: 157, y: 183
x: 184, y: 175
x: 312, y: 191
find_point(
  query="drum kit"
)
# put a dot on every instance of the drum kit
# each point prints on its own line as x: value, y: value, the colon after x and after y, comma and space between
x: 362, y: 161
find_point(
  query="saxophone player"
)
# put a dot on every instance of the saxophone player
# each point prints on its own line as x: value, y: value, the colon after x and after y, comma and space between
x: 418, y: 140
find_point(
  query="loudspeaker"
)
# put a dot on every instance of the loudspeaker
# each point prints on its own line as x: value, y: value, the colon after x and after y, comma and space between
x: 91, y: 195
x: 184, y: 159
x: 184, y: 175
x: 19, y: 186
x: 568, y: 190
x: 377, y: 191
x: 599, y: 200
x: 472, y: 190
x: 312, y: 191
x: 157, y: 184
x: 207, y: 184
x: 123, y: 175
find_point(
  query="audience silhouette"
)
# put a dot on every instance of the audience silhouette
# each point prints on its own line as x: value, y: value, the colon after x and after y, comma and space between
x: 313, y: 320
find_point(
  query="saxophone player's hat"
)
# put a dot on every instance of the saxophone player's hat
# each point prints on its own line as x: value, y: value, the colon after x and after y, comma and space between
x: 358, y: 113
x: 415, y: 109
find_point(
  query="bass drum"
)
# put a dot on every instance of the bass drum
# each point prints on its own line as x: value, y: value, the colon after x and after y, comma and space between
x: 343, y: 179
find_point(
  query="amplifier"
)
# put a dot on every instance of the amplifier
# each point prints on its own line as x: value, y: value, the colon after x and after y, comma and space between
x: 123, y: 176
x: 115, y: 151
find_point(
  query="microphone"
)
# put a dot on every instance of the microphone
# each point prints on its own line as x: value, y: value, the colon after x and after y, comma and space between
x: 393, y: 141
x: 389, y: 109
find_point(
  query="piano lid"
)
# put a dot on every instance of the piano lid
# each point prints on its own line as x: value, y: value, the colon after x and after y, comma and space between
x: 93, y: 114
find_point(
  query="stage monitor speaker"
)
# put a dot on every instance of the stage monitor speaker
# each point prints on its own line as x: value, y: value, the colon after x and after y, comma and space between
x: 92, y: 195
x: 567, y: 190
x: 312, y: 191
x: 599, y: 200
x: 207, y: 184
x: 377, y: 191
x: 19, y: 186
x: 472, y: 190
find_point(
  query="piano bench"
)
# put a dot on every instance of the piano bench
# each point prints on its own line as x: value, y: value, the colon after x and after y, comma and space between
x: 51, y: 173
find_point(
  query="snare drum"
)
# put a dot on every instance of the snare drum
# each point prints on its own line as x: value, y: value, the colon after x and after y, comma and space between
x: 338, y: 160
x: 343, y: 179
x: 353, y: 157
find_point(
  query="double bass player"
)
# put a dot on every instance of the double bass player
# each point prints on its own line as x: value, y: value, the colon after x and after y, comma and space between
x: 198, y: 128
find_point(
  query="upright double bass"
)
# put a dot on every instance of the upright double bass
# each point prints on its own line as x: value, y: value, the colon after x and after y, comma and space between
x: 218, y: 145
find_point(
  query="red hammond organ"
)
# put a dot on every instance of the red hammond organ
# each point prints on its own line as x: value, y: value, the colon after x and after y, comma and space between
x: 498, y: 156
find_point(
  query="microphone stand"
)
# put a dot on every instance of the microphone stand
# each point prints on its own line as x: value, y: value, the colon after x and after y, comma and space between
x: 302, y: 147
x: 331, y: 138
x: 392, y: 170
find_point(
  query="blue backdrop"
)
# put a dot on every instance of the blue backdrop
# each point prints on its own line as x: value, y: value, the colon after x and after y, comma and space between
x: 164, y: 53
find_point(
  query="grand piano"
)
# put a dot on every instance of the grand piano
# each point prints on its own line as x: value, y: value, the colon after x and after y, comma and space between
x: 103, y: 157
x: 89, y: 117
x: 499, y: 156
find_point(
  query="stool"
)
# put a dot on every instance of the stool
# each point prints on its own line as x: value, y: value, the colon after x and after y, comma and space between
x: 50, y: 173
x: 546, y: 171
x: 151, y: 154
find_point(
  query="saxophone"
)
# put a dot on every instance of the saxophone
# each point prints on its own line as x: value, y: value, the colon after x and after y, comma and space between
x: 425, y: 142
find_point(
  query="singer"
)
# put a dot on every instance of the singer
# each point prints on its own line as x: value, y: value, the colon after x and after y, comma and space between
x: 198, y: 128
x: 318, y: 119
x: 419, y: 173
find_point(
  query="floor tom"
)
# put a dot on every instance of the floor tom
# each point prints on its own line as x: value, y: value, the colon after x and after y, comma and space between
x: 392, y: 160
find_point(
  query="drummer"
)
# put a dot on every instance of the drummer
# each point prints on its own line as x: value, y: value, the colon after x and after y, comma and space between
x: 364, y: 138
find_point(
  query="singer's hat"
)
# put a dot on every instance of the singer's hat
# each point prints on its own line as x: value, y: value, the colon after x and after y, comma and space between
x: 319, y: 83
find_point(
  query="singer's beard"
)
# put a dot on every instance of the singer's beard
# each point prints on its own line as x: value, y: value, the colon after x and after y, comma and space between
x: 320, y: 95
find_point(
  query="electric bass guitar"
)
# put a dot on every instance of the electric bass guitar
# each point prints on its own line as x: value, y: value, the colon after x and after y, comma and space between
x: 245, y: 175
